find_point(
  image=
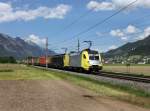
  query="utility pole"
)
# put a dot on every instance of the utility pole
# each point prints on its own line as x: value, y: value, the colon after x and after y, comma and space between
x: 78, y: 45
x: 89, y: 42
x: 46, y: 52
x: 65, y: 49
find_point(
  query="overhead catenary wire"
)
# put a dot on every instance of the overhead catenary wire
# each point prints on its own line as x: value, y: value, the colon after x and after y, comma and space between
x: 104, y: 20
x: 137, y: 25
x: 128, y: 35
x: 101, y: 22
x: 75, y: 21
x: 106, y: 33
x: 131, y: 35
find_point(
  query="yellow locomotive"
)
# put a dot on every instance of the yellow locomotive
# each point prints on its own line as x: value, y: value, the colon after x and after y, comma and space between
x: 89, y: 60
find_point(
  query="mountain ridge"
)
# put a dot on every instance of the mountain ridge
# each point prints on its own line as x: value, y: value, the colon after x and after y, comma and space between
x: 140, y: 47
x: 19, y: 48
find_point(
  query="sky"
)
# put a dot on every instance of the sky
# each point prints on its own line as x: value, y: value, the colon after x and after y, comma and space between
x: 63, y: 21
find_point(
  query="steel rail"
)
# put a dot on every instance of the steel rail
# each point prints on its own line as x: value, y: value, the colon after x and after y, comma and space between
x: 126, y: 77
x: 105, y: 74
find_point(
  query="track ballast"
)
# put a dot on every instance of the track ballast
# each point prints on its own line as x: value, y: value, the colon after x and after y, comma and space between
x: 126, y: 77
x: 142, y: 79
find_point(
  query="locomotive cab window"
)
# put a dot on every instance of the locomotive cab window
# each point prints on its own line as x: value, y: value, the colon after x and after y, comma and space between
x: 93, y: 57
x: 96, y: 57
x: 84, y: 56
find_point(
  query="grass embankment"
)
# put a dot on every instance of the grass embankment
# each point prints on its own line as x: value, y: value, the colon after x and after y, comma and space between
x: 121, y: 92
x: 18, y: 71
x: 139, y: 69
x: 125, y: 93
x: 125, y: 64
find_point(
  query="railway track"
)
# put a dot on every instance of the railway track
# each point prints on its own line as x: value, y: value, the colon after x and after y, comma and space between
x: 142, y: 79
x: 125, y: 77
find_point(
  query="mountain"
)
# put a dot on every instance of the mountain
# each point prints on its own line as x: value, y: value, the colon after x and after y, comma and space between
x: 19, y: 48
x: 140, y: 47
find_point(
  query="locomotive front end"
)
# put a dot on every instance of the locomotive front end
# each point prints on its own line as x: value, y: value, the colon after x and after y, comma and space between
x: 91, y: 60
x: 95, y: 61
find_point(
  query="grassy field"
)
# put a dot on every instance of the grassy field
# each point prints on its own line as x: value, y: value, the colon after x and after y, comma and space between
x: 133, y: 69
x: 124, y: 93
x: 18, y: 71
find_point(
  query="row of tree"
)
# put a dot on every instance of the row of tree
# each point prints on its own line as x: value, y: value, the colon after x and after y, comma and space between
x: 7, y: 60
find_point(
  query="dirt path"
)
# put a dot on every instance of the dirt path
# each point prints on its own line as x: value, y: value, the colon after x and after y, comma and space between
x: 54, y: 95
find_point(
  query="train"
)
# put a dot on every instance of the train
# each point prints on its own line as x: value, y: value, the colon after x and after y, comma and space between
x: 86, y: 60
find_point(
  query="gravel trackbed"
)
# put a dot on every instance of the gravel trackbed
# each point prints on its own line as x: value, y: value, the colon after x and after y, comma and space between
x: 55, y: 95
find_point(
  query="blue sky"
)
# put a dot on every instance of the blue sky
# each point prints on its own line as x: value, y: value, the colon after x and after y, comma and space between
x: 37, y: 19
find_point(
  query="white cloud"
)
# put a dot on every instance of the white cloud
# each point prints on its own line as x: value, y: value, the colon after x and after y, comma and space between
x: 5, y: 7
x: 117, y: 33
x: 131, y: 29
x: 116, y: 4
x: 8, y: 13
x: 96, y: 6
x: 36, y: 39
x: 112, y: 47
x: 123, y: 34
x: 124, y: 38
x: 146, y: 33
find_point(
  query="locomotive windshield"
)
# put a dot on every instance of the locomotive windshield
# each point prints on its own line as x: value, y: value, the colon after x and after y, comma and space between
x: 93, y: 56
